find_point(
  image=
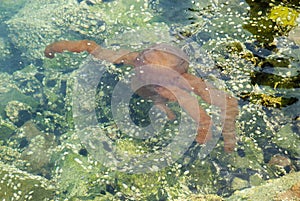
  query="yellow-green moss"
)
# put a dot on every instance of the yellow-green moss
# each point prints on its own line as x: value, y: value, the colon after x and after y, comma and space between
x: 284, y: 16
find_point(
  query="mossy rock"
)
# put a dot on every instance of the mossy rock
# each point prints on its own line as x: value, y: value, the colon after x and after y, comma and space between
x: 6, y: 129
x: 284, y: 16
x: 262, y: 29
x: 16, y: 95
x: 288, y: 139
x: 80, y: 178
x: 122, y: 15
x: 268, y: 190
x: 269, y: 19
x: 270, y: 100
x: 39, y: 149
x: 20, y: 185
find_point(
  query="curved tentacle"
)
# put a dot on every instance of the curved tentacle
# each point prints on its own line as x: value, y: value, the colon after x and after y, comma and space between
x: 116, y: 57
x: 148, y: 92
x: 190, y: 105
x: 227, y: 104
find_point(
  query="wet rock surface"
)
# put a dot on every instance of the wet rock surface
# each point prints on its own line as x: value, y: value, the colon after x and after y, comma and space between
x: 19, y: 185
x: 285, y: 188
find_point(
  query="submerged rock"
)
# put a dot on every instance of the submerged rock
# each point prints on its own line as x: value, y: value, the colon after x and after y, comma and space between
x: 271, y: 189
x: 30, y: 31
x: 5, y: 51
x: 294, y: 35
x: 68, y: 18
x: 38, y: 152
x: 19, y: 185
x: 18, y: 112
x: 6, y: 129
x: 288, y: 139
x: 292, y: 193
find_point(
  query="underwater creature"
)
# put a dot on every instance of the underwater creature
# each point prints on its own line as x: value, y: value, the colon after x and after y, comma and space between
x: 167, y: 67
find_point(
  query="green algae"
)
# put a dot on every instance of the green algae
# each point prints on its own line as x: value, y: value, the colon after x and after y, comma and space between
x: 269, y: 100
x: 20, y: 185
x: 46, y: 25
x: 98, y: 182
x: 4, y: 49
x: 38, y: 152
x: 269, y: 21
x: 276, y: 81
x: 11, y: 5
x: 288, y: 139
x: 120, y: 13
x: 268, y: 190
x: 6, y: 129
x: 78, y: 176
x: 74, y: 180
x: 15, y: 95
x: 285, y: 17
x: 252, y: 156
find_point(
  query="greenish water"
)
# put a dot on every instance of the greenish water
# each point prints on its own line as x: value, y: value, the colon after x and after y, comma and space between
x: 59, y: 132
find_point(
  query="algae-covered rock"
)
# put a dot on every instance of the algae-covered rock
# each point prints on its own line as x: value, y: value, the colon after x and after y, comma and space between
x: 280, y: 165
x: 31, y: 31
x: 292, y: 193
x: 225, y: 24
x: 12, y: 90
x: 97, y: 179
x: 269, y: 190
x: 69, y: 19
x: 288, y: 139
x: 4, y: 49
x: 238, y: 183
x: 294, y: 35
x: 54, y: 90
x: 19, y: 185
x: 170, y: 183
x: 122, y: 15
x: 248, y: 160
x: 268, y: 21
x: 39, y: 150
x: 18, y: 112
x: 6, y: 83
x: 11, y: 5
x: 8, y: 8
x: 28, y: 80
x: 73, y: 177
x: 10, y: 156
x: 255, y: 179
x: 50, y: 89
x: 284, y: 16
x: 150, y: 34
x: 16, y: 96
x: 79, y: 177
x: 202, y: 177
x: 270, y: 100
x: 208, y: 197
x: 7, y: 128
x: 252, y: 156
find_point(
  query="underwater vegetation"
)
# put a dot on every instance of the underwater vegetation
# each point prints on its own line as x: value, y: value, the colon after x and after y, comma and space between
x: 247, y: 49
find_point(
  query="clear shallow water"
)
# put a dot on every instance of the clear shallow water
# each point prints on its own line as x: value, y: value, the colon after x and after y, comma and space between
x: 238, y: 46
